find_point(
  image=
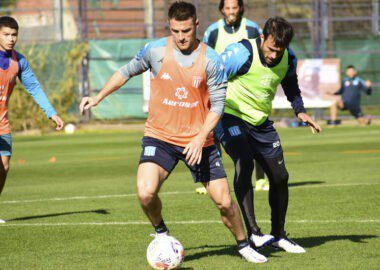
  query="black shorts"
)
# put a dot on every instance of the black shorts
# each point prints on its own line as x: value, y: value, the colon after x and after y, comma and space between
x: 354, y: 109
x: 263, y: 140
x: 167, y: 155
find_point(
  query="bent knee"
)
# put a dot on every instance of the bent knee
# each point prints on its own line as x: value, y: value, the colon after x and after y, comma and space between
x: 5, y: 167
x: 225, y: 205
x: 145, y: 197
x: 281, y: 177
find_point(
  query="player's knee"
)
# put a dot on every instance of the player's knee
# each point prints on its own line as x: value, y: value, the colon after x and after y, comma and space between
x: 281, y: 177
x: 145, y: 196
x: 225, y: 205
x: 4, y: 168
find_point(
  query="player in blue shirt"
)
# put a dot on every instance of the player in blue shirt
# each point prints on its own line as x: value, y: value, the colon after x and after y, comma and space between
x: 348, y: 97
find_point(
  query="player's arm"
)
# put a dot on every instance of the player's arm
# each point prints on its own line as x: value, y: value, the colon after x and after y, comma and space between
x: 253, y: 29
x: 136, y: 66
x: 33, y: 87
x: 237, y: 58
x: 366, y: 86
x: 217, y: 85
x: 293, y: 94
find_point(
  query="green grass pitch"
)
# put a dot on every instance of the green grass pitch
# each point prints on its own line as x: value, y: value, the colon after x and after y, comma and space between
x: 82, y: 212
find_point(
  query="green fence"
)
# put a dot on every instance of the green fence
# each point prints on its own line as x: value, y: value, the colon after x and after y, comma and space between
x: 106, y: 57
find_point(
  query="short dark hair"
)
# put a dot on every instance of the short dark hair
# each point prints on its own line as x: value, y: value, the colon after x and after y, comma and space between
x: 7, y: 21
x: 182, y: 11
x: 281, y: 31
x: 350, y: 66
x: 240, y: 3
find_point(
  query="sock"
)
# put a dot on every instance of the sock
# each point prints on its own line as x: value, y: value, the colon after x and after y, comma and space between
x: 161, y: 228
x: 242, y: 243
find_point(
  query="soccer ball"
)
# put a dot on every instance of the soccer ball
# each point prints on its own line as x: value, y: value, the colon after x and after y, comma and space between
x: 165, y: 252
x: 70, y: 128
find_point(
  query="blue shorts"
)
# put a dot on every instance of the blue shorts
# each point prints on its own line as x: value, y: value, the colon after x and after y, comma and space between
x: 167, y: 155
x: 6, y: 145
x: 354, y: 109
x: 263, y: 140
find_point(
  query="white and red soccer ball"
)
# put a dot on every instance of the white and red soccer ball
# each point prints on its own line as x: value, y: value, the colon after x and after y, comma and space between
x: 165, y: 252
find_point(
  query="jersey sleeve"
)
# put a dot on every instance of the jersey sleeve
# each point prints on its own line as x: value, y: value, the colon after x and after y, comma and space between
x: 211, y: 35
x: 237, y: 58
x: 33, y: 86
x: 139, y: 64
x: 216, y: 81
x: 290, y: 85
x: 363, y: 87
x: 253, y: 29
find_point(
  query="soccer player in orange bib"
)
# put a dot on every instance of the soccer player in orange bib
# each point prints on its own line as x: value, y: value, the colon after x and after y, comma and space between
x: 13, y: 65
x: 188, y: 89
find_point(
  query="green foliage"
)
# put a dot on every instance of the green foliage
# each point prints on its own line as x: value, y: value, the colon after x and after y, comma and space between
x: 7, y: 3
x: 57, y: 68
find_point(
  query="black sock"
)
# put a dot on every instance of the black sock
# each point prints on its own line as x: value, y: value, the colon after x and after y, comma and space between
x: 161, y: 228
x: 242, y: 243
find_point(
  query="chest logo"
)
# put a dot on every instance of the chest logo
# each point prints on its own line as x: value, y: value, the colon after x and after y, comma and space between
x: 166, y: 76
x: 266, y: 80
x: 181, y: 93
x: 197, y: 80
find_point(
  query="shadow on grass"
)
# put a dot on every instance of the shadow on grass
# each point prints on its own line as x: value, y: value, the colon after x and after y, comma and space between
x: 296, y: 184
x: 218, y: 250
x: 306, y: 242
x: 98, y: 211
x: 315, y: 241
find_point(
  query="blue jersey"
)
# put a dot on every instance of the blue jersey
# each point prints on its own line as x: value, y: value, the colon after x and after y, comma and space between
x: 29, y: 80
x: 351, y: 89
x: 237, y: 59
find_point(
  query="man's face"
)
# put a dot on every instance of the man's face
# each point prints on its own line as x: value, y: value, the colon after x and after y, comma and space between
x: 231, y: 11
x: 270, y: 51
x: 184, y: 33
x: 8, y: 38
x: 351, y: 72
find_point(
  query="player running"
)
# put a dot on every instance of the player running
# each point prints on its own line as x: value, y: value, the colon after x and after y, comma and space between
x: 186, y: 102
x: 12, y: 65
x: 255, y: 68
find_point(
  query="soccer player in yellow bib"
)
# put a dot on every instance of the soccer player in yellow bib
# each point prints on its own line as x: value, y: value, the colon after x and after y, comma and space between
x: 255, y: 68
x: 232, y: 28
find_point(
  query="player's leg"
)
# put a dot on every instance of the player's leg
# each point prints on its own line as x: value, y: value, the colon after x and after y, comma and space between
x: 266, y: 144
x: 150, y: 177
x: 356, y: 111
x: 4, y: 168
x: 219, y: 192
x: 156, y: 162
x: 278, y: 200
x: 210, y: 172
x: 232, y: 134
x: 337, y: 103
x: 5, y: 156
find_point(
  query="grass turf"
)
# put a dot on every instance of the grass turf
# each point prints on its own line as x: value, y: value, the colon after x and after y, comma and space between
x: 81, y: 211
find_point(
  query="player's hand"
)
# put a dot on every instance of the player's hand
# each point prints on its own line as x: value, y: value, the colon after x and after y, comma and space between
x: 87, y: 103
x: 193, y: 151
x: 58, y: 121
x: 315, y: 128
x: 368, y: 83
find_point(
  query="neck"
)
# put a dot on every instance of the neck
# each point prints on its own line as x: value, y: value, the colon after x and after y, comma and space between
x: 192, y: 48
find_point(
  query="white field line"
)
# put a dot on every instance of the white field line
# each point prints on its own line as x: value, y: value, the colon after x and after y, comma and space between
x: 186, y: 222
x: 170, y: 193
